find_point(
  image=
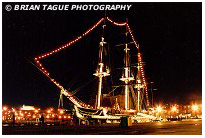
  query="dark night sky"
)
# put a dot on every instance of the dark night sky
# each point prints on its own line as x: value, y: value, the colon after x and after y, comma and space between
x: 169, y: 34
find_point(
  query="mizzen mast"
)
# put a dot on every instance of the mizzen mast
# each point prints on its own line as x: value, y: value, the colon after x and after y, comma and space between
x: 139, y: 86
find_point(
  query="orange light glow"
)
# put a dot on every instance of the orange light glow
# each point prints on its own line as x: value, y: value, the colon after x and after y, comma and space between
x: 61, y: 112
x: 174, y: 109
x: 4, y: 108
x: 159, y: 109
x: 195, y: 108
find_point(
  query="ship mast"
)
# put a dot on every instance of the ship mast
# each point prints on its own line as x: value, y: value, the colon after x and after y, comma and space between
x: 102, y: 70
x: 139, y: 86
x: 126, y: 75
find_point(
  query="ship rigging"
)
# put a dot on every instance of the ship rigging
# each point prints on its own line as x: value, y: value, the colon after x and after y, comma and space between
x: 134, y: 86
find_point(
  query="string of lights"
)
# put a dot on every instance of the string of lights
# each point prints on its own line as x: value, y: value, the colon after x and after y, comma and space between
x: 143, y: 78
x: 115, y: 23
x: 46, y: 73
x: 133, y: 39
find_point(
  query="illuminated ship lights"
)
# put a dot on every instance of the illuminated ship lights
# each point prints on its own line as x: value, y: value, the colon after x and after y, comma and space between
x: 68, y: 94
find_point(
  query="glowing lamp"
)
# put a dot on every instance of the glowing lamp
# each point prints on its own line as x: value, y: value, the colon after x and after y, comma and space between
x: 61, y: 111
x: 4, y: 108
x: 159, y: 109
x: 195, y: 108
x: 174, y: 109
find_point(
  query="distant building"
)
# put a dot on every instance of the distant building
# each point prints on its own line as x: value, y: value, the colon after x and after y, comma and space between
x: 25, y: 107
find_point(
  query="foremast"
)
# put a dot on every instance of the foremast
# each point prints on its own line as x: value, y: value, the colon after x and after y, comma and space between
x: 101, y: 71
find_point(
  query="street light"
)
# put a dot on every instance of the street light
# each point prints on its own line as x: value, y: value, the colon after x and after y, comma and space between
x: 195, y: 107
x: 4, y: 108
x: 174, y: 109
x: 159, y: 109
x: 61, y: 111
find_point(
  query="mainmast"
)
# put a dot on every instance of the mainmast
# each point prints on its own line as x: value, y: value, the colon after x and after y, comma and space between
x: 126, y: 75
x: 102, y: 70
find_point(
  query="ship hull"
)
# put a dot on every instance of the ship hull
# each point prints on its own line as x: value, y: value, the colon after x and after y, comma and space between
x: 100, y: 115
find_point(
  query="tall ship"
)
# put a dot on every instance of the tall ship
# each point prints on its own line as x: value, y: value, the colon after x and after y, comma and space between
x: 129, y: 98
